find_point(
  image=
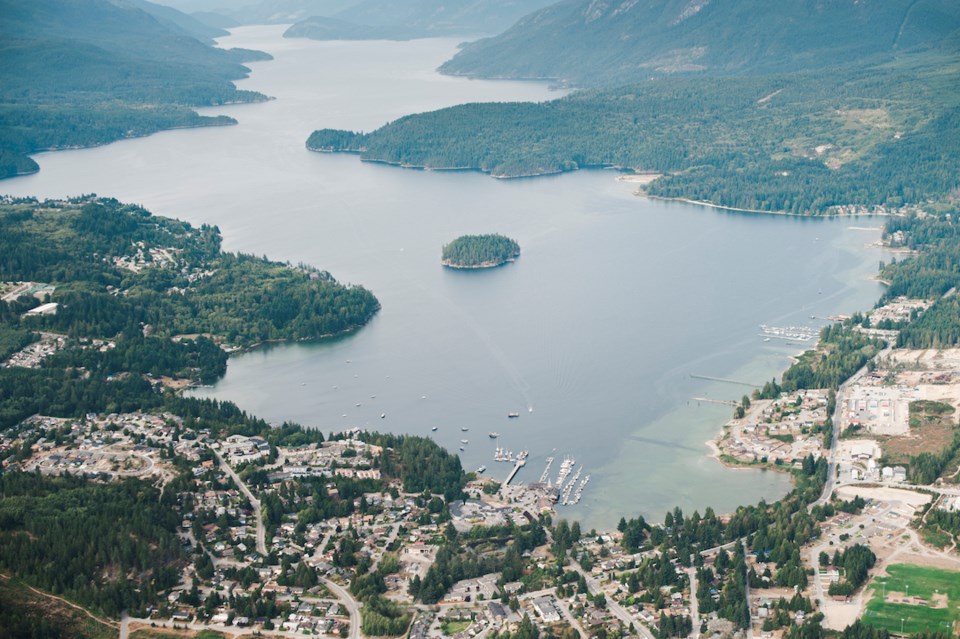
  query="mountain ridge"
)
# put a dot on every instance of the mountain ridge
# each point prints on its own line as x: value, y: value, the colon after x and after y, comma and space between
x: 85, y: 72
x: 387, y: 19
x: 606, y: 42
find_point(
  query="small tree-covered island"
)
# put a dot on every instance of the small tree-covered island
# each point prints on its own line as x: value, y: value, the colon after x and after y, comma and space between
x: 480, y: 251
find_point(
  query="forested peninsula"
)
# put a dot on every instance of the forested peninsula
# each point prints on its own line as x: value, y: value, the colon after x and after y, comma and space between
x: 84, y: 74
x: 811, y: 123
x: 480, y: 251
x: 860, y: 140
x: 160, y: 291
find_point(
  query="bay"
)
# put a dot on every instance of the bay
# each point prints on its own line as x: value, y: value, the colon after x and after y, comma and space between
x: 592, y: 335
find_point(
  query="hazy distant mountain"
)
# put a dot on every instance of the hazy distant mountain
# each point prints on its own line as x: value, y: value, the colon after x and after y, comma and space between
x: 225, y: 13
x: 176, y: 20
x: 591, y: 42
x: 84, y: 72
x: 193, y: 6
x: 325, y: 28
x: 390, y: 19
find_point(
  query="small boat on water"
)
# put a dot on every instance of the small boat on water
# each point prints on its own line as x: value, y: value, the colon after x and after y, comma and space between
x: 461, y: 449
x: 464, y: 441
x: 383, y: 415
x: 434, y: 428
x: 464, y: 428
x: 513, y: 415
x: 493, y: 435
x: 482, y: 469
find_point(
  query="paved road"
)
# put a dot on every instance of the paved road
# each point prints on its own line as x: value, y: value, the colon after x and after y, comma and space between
x: 573, y: 621
x: 261, y: 532
x: 231, y: 631
x: 694, y: 602
x: 837, y: 426
x: 746, y: 588
x: 716, y: 549
x: 593, y: 585
x: 392, y: 537
x: 318, y: 551
x: 351, y: 604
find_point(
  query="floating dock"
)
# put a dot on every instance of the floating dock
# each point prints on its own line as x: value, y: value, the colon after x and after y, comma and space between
x: 545, y: 475
x: 724, y: 380
x: 727, y: 402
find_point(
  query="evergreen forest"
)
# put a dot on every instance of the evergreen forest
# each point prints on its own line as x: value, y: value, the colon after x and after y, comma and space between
x: 477, y: 251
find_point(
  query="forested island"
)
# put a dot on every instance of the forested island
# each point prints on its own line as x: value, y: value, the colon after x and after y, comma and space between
x: 480, y: 251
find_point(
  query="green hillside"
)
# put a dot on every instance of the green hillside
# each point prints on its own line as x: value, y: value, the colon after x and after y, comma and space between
x: 86, y: 72
x: 883, y: 136
x: 604, y: 42
x: 176, y: 20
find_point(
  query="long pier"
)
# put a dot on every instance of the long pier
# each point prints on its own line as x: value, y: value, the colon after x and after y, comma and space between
x: 724, y: 380
x: 513, y: 473
x: 727, y: 402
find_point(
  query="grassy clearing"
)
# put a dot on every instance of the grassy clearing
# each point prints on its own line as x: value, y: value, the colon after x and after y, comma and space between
x: 71, y: 622
x: 931, y: 430
x: 924, y: 598
x: 935, y: 537
x: 451, y: 628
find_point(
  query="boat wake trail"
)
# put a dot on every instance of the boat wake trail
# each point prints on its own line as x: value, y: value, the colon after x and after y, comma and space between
x: 506, y: 364
x: 499, y: 356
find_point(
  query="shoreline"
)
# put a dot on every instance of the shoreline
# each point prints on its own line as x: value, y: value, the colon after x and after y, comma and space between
x: 215, y: 122
x: 243, y: 350
x: 642, y: 193
x: 642, y: 179
x: 474, y: 267
x: 716, y: 453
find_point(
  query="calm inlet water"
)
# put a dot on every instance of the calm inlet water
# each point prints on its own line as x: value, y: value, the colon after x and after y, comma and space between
x: 592, y: 335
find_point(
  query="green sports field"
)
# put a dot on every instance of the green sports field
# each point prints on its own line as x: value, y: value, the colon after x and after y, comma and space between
x: 934, y: 603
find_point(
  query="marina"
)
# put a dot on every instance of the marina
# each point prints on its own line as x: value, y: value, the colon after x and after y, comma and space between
x: 568, y: 490
x: 565, y: 467
x: 798, y: 333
